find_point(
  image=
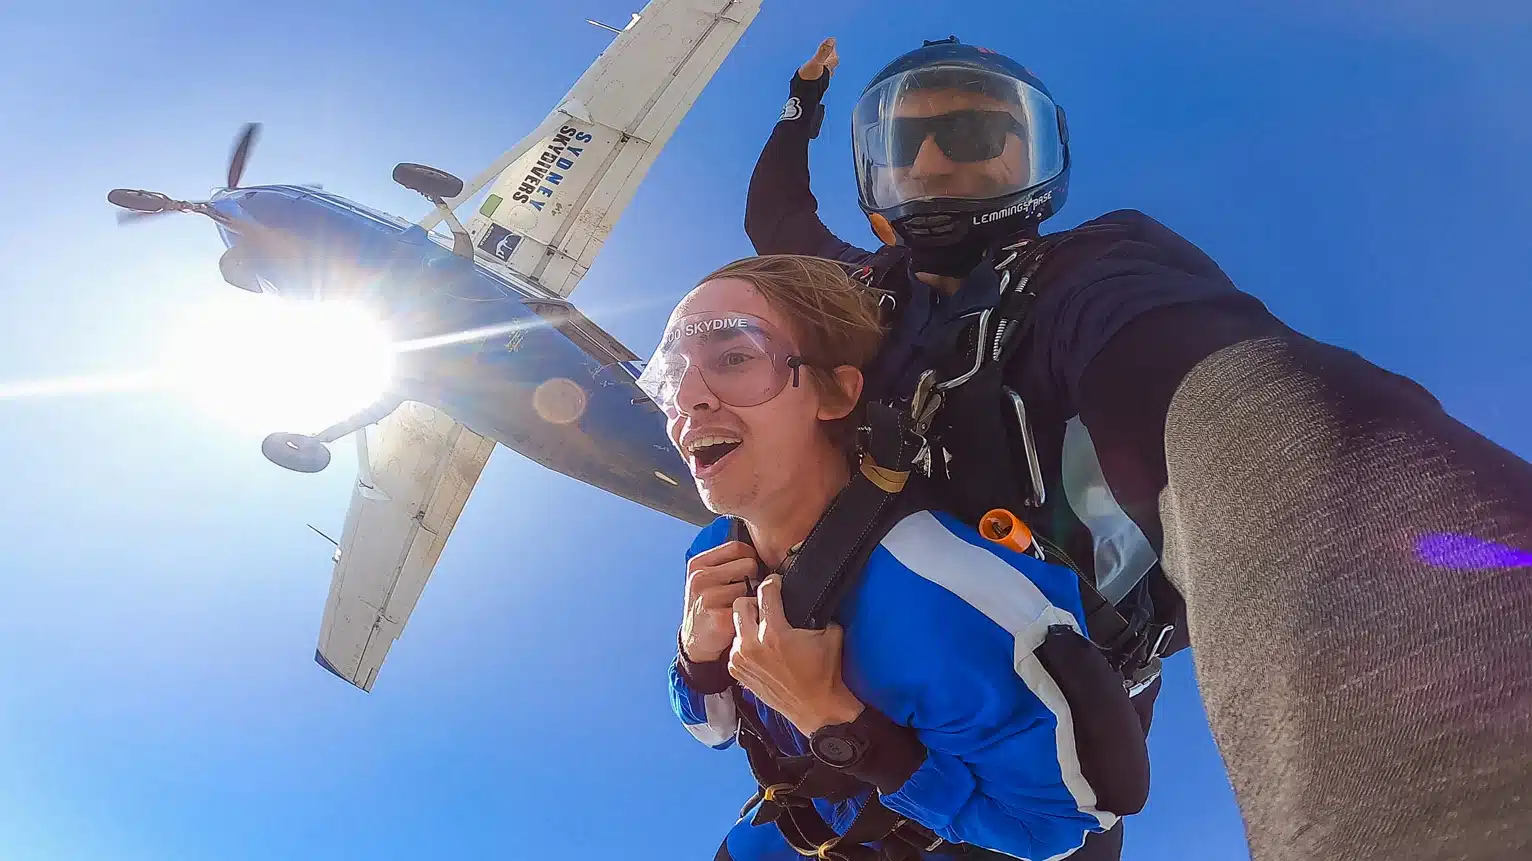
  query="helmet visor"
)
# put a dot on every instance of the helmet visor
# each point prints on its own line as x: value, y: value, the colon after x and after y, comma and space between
x: 741, y: 360
x: 953, y: 131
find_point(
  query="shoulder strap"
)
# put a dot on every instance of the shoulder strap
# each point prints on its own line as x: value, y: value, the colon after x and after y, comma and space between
x: 820, y: 573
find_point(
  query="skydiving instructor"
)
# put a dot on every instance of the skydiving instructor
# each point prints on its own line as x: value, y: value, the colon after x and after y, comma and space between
x: 1324, y: 536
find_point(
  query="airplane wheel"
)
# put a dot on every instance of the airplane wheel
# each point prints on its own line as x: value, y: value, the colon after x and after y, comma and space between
x: 296, y: 451
x: 429, y: 181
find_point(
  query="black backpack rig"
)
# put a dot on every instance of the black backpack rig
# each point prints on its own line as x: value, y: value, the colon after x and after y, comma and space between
x: 906, y: 465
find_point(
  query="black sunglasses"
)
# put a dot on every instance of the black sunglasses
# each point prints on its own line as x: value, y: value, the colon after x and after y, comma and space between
x: 963, y: 136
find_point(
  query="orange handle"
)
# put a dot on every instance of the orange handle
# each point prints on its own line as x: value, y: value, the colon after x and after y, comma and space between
x: 1005, y: 529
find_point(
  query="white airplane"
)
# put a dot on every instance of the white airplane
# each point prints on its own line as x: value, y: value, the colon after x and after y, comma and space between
x: 508, y: 359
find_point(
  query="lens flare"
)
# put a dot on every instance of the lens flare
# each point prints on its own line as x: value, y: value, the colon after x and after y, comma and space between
x: 1450, y: 550
x: 560, y: 401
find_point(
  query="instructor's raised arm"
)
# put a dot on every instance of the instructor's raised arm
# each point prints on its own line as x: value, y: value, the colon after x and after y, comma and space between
x: 781, y: 213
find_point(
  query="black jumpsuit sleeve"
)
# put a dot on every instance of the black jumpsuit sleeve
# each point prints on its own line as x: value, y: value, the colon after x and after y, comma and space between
x: 1122, y: 269
x: 781, y: 212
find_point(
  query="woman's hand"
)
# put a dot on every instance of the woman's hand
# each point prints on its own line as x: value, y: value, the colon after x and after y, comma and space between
x: 794, y: 671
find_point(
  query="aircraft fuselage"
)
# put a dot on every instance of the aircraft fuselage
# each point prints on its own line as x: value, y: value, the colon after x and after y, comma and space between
x: 511, y: 362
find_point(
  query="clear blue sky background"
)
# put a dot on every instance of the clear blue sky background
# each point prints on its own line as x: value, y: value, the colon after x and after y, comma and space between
x: 1363, y: 167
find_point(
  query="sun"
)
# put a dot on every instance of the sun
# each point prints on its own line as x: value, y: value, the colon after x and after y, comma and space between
x: 268, y: 364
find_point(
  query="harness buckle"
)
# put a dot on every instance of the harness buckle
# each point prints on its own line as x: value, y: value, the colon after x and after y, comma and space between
x: 769, y: 794
x: 924, y: 404
x: 823, y: 849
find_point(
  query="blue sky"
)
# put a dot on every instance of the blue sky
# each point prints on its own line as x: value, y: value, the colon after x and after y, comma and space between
x: 1361, y: 167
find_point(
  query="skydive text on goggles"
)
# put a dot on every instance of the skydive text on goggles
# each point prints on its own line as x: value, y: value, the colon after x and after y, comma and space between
x: 740, y: 359
x: 963, y: 136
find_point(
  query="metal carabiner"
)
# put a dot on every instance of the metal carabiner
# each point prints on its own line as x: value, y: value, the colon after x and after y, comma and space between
x: 979, y: 351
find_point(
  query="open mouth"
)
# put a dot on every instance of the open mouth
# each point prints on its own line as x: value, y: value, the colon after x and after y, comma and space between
x: 708, y: 455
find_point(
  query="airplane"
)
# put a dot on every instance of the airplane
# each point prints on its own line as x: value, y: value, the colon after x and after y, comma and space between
x: 507, y: 359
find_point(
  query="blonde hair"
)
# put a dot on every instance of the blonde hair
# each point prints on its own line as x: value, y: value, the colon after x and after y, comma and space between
x: 835, y: 319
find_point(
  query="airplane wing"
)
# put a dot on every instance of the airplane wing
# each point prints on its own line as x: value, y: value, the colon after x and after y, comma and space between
x: 557, y: 194
x: 417, y: 469
x: 555, y: 197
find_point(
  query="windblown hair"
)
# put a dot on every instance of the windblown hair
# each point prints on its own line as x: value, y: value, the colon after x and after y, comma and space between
x: 835, y: 319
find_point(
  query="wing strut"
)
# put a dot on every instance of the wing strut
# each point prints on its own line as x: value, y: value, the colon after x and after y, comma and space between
x: 497, y: 167
x: 636, y: 16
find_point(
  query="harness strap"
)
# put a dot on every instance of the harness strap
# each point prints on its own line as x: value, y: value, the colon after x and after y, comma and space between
x: 1131, y: 644
x: 841, y: 538
x: 838, y: 544
x: 788, y: 787
x: 835, y: 549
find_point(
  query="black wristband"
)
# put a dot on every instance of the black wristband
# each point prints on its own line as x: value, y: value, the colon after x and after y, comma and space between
x: 704, y: 677
x: 809, y: 93
x: 894, y: 752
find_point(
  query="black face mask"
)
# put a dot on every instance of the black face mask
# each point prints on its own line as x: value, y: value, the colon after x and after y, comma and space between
x: 954, y: 261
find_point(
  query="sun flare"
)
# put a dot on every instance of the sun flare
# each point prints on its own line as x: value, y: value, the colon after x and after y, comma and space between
x: 271, y: 365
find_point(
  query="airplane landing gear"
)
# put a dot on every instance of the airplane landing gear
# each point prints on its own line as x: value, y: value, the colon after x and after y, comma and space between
x: 432, y: 183
x: 437, y: 186
x: 297, y: 452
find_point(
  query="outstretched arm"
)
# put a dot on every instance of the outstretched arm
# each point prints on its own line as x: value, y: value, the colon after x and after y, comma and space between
x: 781, y: 213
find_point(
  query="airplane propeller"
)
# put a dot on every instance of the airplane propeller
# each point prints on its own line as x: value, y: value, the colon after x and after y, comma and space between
x: 139, y: 204
x: 241, y: 154
x: 135, y: 217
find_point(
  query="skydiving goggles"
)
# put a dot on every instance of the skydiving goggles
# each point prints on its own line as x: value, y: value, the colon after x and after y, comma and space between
x: 972, y: 115
x: 963, y: 136
x: 741, y: 359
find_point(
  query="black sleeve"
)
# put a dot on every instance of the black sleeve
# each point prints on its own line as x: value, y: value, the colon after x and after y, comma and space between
x: 1123, y: 311
x: 1121, y: 266
x: 781, y: 213
x: 894, y: 752
x: 704, y: 677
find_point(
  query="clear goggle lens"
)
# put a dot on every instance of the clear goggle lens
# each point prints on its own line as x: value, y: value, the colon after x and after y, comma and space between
x: 741, y: 361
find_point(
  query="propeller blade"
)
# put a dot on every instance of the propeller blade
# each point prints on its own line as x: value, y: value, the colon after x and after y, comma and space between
x: 139, y: 200
x: 126, y: 218
x: 241, y: 154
